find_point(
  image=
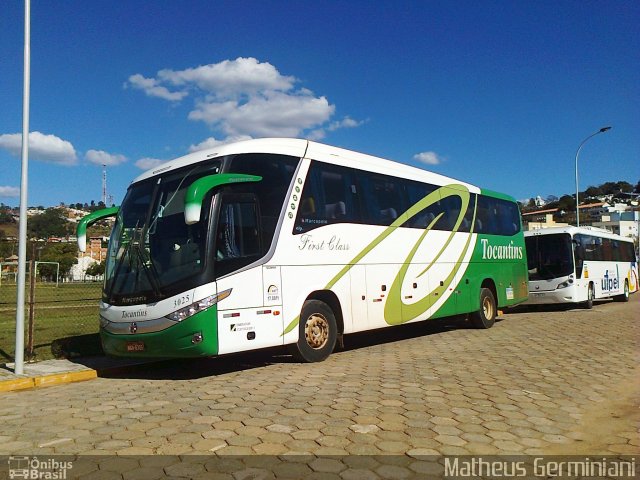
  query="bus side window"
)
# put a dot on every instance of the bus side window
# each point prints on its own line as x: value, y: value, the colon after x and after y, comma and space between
x: 238, y: 241
x: 328, y: 197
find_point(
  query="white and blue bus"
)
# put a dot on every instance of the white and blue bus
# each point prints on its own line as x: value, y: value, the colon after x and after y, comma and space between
x: 579, y: 265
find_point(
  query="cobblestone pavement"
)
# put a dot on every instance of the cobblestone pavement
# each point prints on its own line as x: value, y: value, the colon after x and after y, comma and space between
x: 557, y: 381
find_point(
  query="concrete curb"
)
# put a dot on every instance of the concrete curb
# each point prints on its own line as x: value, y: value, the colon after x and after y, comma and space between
x: 59, y: 372
x: 24, y: 383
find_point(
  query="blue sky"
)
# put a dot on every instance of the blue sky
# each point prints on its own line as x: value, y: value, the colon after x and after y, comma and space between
x: 498, y: 94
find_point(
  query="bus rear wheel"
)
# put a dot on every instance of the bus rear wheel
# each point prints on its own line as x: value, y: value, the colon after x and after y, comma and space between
x: 625, y: 296
x: 486, y: 316
x: 317, y: 334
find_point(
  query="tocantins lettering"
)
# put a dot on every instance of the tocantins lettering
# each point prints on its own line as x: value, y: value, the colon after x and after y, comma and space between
x: 500, y: 252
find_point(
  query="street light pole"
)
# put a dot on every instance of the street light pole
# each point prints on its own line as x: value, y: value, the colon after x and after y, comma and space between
x: 22, y: 226
x: 602, y: 130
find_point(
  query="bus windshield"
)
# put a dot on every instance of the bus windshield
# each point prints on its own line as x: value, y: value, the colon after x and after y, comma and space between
x: 549, y: 256
x: 151, y: 247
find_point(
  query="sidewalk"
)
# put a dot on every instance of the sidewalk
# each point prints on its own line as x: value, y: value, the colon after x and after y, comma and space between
x: 56, y: 372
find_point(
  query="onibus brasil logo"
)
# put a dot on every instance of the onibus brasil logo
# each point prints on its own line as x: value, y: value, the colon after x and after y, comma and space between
x: 34, y: 468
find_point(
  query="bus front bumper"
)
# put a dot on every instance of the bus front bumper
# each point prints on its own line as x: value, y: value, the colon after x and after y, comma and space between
x: 196, y: 336
x: 551, y: 297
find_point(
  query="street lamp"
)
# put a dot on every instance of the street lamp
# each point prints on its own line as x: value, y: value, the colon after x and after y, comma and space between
x: 602, y: 130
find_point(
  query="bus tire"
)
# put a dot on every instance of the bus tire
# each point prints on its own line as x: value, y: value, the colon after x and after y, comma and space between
x: 625, y: 296
x: 590, y: 294
x: 486, y: 316
x: 318, y: 332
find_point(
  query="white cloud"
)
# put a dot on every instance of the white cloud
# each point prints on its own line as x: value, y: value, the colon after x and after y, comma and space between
x: 246, y: 98
x: 276, y: 115
x: 46, y: 148
x: 152, y: 89
x: 147, y: 163
x: 99, y: 157
x: 429, y: 158
x: 242, y: 76
x: 9, y: 191
x: 211, y: 142
x: 346, y: 122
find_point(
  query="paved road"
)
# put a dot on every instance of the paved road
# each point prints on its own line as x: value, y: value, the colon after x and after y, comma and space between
x: 559, y: 381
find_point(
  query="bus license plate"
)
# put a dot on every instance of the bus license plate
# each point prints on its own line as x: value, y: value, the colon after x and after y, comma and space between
x: 135, y: 346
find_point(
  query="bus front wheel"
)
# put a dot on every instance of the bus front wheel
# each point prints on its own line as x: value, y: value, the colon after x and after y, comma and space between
x: 625, y: 296
x: 318, y: 332
x: 486, y: 316
x: 590, y: 294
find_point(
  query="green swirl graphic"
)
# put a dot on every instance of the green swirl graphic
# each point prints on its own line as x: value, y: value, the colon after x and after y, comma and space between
x: 394, y: 304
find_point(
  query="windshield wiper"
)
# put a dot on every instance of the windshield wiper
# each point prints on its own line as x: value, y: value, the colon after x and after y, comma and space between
x: 150, y: 270
x: 133, y: 252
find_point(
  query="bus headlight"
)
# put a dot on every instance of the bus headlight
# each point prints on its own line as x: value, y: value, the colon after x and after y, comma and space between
x: 103, y: 322
x: 198, y: 306
x: 565, y: 284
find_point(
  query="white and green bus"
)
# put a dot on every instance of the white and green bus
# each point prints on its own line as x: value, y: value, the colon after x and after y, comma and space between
x: 579, y: 265
x: 290, y: 242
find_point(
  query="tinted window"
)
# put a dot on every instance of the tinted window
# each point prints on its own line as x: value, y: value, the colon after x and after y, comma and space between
x: 276, y: 172
x: 603, y: 249
x: 549, y: 256
x: 238, y: 241
x: 329, y: 196
x: 384, y: 198
x: 497, y: 217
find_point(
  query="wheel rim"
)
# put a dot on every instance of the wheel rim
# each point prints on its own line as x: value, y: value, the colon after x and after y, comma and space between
x: 590, y: 294
x: 316, y: 331
x: 487, y: 308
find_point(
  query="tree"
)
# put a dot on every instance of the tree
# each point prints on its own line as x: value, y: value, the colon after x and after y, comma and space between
x: 63, y: 253
x: 624, y: 186
x: 96, y: 269
x: 51, y: 223
x: 593, y: 192
x: 567, y: 202
x: 5, y: 216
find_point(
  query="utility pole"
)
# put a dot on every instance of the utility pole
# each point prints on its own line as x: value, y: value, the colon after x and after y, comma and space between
x: 104, y: 184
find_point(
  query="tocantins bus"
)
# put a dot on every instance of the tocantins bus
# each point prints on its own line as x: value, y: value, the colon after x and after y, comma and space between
x: 290, y: 242
x: 579, y: 265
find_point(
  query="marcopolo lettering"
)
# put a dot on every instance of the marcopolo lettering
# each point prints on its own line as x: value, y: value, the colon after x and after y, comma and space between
x: 500, y: 252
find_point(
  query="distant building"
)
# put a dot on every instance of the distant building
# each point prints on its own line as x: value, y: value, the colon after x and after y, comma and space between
x: 9, y: 267
x: 626, y: 224
x: 541, y: 219
x: 95, y: 253
x: 95, y: 250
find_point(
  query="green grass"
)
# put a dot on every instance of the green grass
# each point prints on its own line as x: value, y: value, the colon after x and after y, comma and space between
x: 63, y: 317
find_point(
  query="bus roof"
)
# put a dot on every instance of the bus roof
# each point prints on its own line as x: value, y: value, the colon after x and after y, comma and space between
x: 595, y: 231
x: 315, y: 151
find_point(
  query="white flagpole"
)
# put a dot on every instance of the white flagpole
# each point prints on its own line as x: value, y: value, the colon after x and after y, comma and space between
x: 22, y: 231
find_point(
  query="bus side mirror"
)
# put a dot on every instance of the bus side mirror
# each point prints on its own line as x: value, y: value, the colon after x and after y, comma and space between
x: 198, y: 190
x: 81, y: 229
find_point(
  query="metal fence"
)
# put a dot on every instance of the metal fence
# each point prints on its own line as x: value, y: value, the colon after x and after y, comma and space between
x: 61, y: 319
